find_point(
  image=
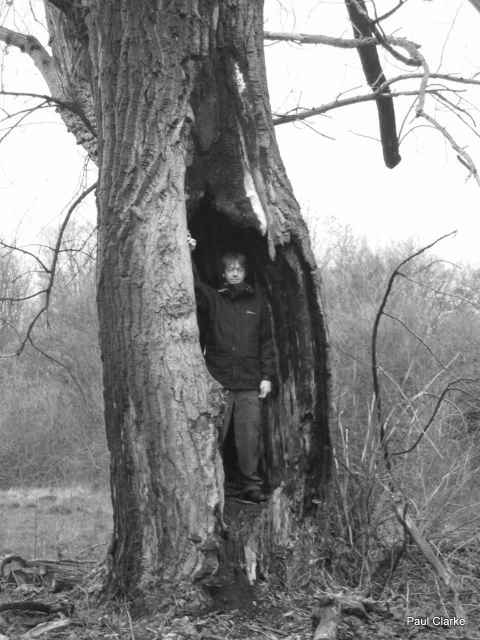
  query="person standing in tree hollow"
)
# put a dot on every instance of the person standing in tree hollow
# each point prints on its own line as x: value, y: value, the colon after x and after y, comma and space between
x: 239, y: 355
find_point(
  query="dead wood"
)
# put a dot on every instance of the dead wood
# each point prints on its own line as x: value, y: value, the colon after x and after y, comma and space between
x: 436, y: 561
x: 328, y: 616
x: 399, y: 502
x: 55, y: 575
x: 46, y: 627
x: 35, y: 606
x: 37, y: 617
x: 364, y: 27
x: 329, y: 608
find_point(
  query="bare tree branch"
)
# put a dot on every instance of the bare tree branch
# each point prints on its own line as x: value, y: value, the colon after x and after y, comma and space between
x: 450, y: 77
x: 350, y: 43
x: 343, y: 102
x: 459, y: 112
x: 450, y: 387
x: 10, y: 116
x: 439, y: 565
x: 416, y: 336
x: 337, y: 104
x: 374, y: 340
x: 40, y: 56
x: 14, y: 126
x: 399, y: 502
x: 73, y: 107
x: 14, y: 247
x: 23, y: 298
x: 71, y: 111
x: 47, y: 291
x: 462, y: 155
x: 364, y: 27
x: 447, y: 294
x: 369, y: 37
x: 305, y: 38
x: 389, y: 13
x: 60, y: 364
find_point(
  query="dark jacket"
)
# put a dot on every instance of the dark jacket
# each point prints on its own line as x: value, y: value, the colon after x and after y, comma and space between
x: 237, y: 335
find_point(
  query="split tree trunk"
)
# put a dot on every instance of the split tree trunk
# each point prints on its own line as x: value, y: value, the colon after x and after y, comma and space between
x: 185, y: 138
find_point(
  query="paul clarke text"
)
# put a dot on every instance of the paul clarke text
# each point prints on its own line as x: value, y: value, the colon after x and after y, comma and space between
x: 436, y: 621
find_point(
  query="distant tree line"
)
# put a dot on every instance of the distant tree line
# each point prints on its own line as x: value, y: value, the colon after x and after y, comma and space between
x: 51, y: 407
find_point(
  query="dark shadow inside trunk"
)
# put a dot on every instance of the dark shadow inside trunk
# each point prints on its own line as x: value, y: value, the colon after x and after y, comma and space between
x: 296, y: 447
x: 216, y: 234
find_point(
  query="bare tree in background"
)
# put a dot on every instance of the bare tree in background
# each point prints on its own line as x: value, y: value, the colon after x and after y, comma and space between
x: 14, y: 282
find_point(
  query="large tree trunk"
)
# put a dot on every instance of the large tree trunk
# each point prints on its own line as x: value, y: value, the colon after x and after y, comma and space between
x: 185, y: 139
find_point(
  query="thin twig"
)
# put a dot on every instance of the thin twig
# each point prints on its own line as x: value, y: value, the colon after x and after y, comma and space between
x: 462, y: 155
x: 447, y: 294
x: 374, y: 340
x: 14, y: 247
x: 52, y: 270
x: 61, y: 364
x: 63, y: 104
x: 9, y: 116
x: 23, y: 298
x: 450, y: 387
x: 390, y: 13
x: 416, y: 336
x: 28, y: 113
x: 344, y: 102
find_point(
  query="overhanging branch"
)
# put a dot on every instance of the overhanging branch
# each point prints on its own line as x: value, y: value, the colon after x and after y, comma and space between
x: 302, y: 114
x: 62, y: 104
x: 37, y: 52
x: 369, y: 36
x: 336, y: 104
x: 349, y: 43
x: 306, y: 38
x: 71, y: 110
x: 364, y: 27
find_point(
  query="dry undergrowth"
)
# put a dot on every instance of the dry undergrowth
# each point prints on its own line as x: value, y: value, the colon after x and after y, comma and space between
x: 277, y: 614
x: 79, y: 520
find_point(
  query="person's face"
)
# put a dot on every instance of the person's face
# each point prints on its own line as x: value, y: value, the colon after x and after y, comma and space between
x: 234, y: 272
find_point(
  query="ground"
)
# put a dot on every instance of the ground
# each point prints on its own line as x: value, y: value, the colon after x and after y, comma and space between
x: 74, y: 523
x: 68, y: 522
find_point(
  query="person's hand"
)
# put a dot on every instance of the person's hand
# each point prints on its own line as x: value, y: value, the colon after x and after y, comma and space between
x: 265, y: 388
x: 192, y: 243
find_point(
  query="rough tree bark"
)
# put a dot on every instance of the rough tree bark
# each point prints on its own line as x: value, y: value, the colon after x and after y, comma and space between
x: 179, y: 97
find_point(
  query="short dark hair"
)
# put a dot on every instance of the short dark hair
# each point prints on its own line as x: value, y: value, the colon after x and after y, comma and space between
x: 230, y: 256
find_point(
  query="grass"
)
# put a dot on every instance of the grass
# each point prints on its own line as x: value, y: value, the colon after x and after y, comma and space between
x: 75, y: 523
x: 55, y: 523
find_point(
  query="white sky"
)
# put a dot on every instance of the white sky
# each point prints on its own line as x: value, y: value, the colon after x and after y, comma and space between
x: 424, y: 197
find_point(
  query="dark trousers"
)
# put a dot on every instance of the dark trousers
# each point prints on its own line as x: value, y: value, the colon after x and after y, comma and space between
x: 243, y: 409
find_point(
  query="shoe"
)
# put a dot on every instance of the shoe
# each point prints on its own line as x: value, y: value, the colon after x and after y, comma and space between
x: 253, y: 496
